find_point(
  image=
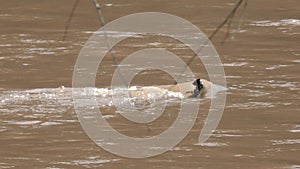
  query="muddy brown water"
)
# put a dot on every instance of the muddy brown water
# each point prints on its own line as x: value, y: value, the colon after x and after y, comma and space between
x: 260, y: 127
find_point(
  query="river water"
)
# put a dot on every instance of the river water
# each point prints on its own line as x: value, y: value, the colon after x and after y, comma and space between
x: 260, y: 127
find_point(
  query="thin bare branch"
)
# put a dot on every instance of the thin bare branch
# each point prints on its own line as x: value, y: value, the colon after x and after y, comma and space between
x: 231, y: 14
x: 70, y: 19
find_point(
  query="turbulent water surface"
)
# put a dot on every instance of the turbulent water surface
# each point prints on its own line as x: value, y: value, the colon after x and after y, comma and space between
x: 260, y: 127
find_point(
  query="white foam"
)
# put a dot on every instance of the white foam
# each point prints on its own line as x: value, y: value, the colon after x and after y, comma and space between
x: 108, y: 116
x: 252, y: 105
x: 26, y: 122
x: 108, y: 5
x: 50, y: 123
x: 227, y: 135
x: 275, y: 67
x: 235, y: 64
x: 211, y: 144
x: 5, y: 15
x: 215, y: 89
x: 294, y: 131
x: 298, y: 60
x: 282, y: 142
x: 181, y: 149
x: 86, y: 162
x: 114, y: 34
x: 283, y: 22
x: 295, y: 167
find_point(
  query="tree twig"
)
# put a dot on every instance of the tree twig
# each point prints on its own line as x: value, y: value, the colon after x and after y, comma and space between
x: 231, y: 14
x: 102, y: 21
x: 70, y: 19
x: 227, y: 19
